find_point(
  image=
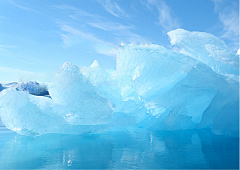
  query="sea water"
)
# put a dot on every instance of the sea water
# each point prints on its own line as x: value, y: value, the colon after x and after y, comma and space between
x: 131, y: 149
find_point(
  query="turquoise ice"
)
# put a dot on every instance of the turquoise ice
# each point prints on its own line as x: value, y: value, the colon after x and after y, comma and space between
x: 152, y: 87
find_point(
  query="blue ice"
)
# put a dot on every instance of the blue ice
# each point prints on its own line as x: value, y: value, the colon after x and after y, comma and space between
x: 152, y: 87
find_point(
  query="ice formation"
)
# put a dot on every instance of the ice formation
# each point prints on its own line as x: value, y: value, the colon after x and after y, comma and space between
x: 31, y: 87
x: 152, y: 87
x: 1, y: 87
x: 208, y: 49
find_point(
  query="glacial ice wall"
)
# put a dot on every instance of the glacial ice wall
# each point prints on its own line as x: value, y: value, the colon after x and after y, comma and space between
x: 152, y: 87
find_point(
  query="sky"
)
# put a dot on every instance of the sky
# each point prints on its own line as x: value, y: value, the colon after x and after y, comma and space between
x: 38, y: 36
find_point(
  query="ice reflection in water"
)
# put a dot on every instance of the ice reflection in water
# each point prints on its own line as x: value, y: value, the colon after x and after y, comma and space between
x: 136, y: 148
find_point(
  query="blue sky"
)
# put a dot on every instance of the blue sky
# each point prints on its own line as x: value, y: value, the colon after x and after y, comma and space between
x: 38, y: 36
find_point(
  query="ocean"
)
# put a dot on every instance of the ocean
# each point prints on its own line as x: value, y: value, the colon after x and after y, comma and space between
x: 134, y: 148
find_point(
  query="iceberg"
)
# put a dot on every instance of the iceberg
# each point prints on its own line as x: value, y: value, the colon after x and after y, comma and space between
x: 76, y: 98
x: 177, y: 91
x: 208, y: 49
x: 74, y: 107
x: 152, y: 87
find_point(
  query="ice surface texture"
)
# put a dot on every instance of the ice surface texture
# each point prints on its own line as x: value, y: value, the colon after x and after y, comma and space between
x: 208, y: 49
x: 152, y: 87
x: 31, y: 87
x: 1, y: 87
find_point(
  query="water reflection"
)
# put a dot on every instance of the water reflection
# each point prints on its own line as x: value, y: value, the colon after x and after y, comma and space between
x: 136, y: 148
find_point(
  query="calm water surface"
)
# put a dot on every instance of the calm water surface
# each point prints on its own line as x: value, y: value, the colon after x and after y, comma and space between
x: 135, y: 148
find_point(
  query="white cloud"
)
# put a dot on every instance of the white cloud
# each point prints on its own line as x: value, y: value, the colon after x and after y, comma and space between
x: 230, y: 22
x: 228, y: 15
x: 113, y: 8
x: 106, y: 50
x: 65, y: 7
x: 99, y: 46
x: 111, y: 53
x: 131, y: 37
x: 166, y: 18
x: 118, y: 32
x: 110, y: 26
x: 114, y: 35
x: 70, y: 37
x: 73, y: 17
x: 70, y: 33
x: 8, y: 46
x: 98, y: 25
x: 79, y: 33
x: 65, y: 38
x: 76, y: 12
x: 23, y: 7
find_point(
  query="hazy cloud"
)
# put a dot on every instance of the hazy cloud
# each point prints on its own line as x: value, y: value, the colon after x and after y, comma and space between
x: 6, y: 47
x: 166, y: 18
x: 80, y: 33
x: 115, y: 34
x: 120, y: 33
x: 12, y: 74
x: 76, y: 11
x: 106, y: 50
x: 228, y: 15
x: 69, y: 30
x: 113, y: 8
x: 110, y: 26
x: 23, y: 7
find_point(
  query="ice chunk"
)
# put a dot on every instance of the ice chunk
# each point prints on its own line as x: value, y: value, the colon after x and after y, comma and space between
x: 180, y: 89
x: 222, y: 114
x: 196, y: 101
x: 31, y: 87
x: 34, y: 115
x: 227, y: 121
x: 208, y: 49
x: 75, y: 107
x: 19, y: 114
x: 95, y: 64
x: 77, y: 100
x: 96, y: 75
x: 106, y: 83
x: 147, y: 68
